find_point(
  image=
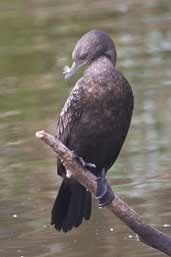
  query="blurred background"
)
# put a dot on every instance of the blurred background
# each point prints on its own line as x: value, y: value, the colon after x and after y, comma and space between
x: 36, y: 41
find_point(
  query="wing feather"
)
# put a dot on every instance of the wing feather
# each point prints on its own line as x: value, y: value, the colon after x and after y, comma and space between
x: 69, y: 115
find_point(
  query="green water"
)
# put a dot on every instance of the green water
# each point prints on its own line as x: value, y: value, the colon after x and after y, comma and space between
x: 36, y: 41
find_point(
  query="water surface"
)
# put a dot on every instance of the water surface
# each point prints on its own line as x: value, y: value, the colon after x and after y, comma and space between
x: 37, y: 38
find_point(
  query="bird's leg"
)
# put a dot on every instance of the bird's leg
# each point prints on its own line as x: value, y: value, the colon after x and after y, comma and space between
x: 82, y: 162
x: 104, y: 192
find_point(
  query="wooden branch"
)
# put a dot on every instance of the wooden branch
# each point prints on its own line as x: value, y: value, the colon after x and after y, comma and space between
x: 146, y: 233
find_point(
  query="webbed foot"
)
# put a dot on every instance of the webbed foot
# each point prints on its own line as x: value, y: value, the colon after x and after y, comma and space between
x: 82, y: 162
x: 104, y: 192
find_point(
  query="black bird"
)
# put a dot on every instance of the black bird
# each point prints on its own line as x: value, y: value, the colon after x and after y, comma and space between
x: 93, y: 123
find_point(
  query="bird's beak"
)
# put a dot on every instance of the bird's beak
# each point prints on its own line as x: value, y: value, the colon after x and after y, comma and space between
x: 69, y: 72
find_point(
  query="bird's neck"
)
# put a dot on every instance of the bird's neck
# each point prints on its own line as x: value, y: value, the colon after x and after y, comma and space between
x: 101, y: 61
x: 99, y: 66
x: 111, y: 54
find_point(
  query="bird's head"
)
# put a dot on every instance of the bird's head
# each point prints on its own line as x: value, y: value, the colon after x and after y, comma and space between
x: 91, y: 46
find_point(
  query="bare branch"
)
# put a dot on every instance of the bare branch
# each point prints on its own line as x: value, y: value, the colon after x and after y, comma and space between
x: 146, y: 233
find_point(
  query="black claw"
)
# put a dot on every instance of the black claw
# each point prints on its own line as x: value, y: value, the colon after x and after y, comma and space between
x: 104, y: 192
x: 90, y: 165
x: 82, y: 162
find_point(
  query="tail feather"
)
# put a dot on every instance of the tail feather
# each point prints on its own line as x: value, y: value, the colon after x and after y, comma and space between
x: 64, y: 199
x: 75, y: 211
x: 87, y: 207
x: 73, y: 203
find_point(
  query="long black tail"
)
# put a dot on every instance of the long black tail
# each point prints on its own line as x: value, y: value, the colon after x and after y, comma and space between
x: 73, y: 203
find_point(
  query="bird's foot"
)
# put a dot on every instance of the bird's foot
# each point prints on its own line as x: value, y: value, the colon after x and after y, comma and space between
x: 82, y: 162
x: 104, y: 192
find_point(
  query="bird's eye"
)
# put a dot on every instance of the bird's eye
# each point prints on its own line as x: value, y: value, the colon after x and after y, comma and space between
x: 83, y: 56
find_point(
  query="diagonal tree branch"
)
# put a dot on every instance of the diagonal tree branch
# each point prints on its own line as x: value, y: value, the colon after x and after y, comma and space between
x: 146, y: 233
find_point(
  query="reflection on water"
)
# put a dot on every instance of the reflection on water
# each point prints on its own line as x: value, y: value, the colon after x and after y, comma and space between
x: 37, y: 38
